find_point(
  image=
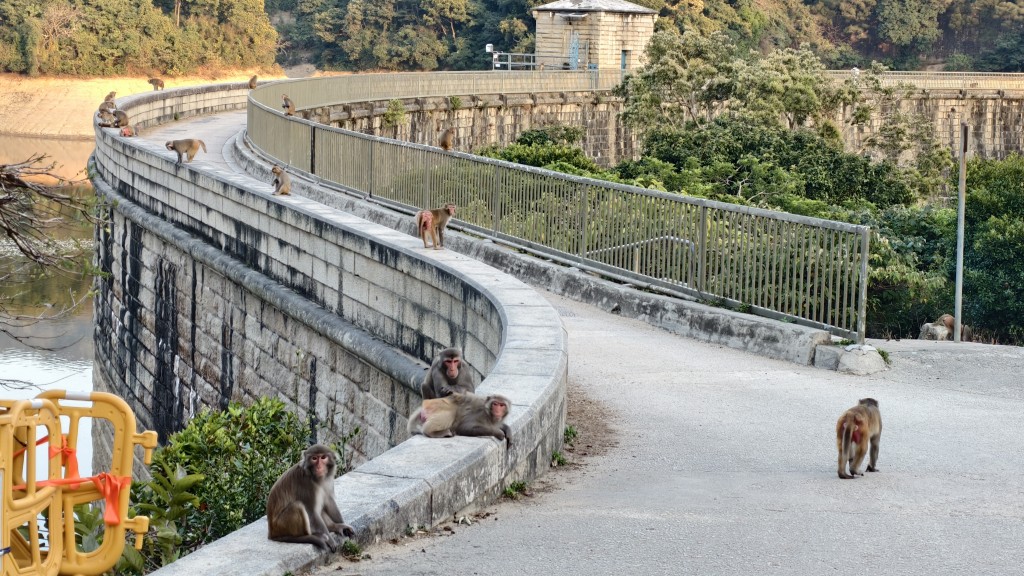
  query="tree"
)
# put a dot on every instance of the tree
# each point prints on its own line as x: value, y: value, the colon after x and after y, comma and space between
x: 33, y: 215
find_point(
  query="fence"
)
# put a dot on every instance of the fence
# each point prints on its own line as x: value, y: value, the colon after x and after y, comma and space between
x: 806, y: 270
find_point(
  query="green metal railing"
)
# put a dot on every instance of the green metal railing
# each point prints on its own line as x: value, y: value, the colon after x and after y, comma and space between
x: 807, y: 270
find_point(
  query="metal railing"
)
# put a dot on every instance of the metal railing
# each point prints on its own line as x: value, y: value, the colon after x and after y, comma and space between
x: 807, y: 270
x: 945, y: 80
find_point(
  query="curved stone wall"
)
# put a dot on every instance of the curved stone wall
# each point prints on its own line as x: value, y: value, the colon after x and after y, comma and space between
x: 217, y: 290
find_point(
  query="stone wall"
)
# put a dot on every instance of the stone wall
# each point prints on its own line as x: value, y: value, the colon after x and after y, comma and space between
x: 996, y: 120
x: 493, y: 120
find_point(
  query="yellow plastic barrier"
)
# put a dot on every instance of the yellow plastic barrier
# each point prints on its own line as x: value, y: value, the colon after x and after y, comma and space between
x: 20, y: 542
x: 111, y: 487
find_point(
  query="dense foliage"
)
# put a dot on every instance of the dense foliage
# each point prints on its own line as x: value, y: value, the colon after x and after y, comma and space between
x: 451, y: 34
x: 212, y: 478
x: 755, y: 130
x: 83, y: 37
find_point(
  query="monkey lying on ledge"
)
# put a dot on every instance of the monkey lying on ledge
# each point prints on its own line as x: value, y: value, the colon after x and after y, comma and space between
x: 463, y: 414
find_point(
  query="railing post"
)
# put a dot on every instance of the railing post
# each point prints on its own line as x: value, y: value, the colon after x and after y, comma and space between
x: 496, y: 198
x: 312, y: 150
x: 702, y: 250
x: 862, y: 304
x: 371, y: 185
x: 584, y: 209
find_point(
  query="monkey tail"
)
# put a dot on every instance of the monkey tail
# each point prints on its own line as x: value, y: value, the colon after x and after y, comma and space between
x: 203, y: 144
x: 849, y: 428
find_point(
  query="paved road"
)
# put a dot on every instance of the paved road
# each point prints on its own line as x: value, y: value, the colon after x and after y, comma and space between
x: 725, y: 463
x: 721, y: 462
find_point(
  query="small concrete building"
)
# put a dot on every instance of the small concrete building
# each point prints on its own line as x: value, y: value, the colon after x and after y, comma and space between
x: 582, y: 34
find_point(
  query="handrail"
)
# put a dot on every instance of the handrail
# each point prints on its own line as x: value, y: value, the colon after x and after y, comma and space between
x: 796, y: 268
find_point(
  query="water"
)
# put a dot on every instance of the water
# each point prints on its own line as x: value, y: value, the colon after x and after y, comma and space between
x: 51, y: 346
x: 71, y: 156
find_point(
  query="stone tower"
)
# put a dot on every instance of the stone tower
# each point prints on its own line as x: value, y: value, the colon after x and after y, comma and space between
x: 588, y: 34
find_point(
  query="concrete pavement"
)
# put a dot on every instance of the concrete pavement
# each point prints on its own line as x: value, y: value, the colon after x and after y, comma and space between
x: 722, y: 462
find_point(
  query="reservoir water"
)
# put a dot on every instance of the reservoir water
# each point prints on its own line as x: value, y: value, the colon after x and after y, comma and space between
x: 45, y: 339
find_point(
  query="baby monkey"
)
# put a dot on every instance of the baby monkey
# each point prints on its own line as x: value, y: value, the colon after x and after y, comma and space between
x: 282, y: 181
x: 189, y: 146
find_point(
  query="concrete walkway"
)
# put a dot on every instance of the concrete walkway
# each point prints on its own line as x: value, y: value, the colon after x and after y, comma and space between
x: 722, y: 462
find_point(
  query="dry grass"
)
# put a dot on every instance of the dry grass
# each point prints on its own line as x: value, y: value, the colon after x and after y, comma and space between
x: 64, y: 107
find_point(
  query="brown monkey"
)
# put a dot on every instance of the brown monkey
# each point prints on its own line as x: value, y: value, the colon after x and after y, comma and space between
x: 854, y: 429
x: 289, y: 106
x: 112, y: 118
x: 282, y: 181
x: 463, y: 414
x: 301, y: 506
x: 447, y: 375
x: 966, y: 333
x: 108, y: 106
x: 189, y: 146
x: 447, y: 139
x: 252, y: 82
x: 439, y: 221
x: 425, y: 225
x: 110, y: 97
x: 157, y: 83
x: 942, y: 329
x: 127, y: 131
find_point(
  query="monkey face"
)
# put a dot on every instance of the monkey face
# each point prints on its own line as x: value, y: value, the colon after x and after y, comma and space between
x: 276, y: 170
x: 498, y: 410
x: 452, y: 366
x: 320, y: 464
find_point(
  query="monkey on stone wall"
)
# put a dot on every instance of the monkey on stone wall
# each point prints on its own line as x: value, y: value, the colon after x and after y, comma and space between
x: 447, y: 375
x: 189, y: 147
x: 463, y: 414
x: 301, y: 506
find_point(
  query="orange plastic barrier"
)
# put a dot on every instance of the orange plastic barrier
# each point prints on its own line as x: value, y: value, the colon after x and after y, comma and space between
x: 63, y: 489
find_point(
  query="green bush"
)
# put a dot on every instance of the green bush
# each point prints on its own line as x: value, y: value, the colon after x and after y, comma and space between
x: 212, y: 478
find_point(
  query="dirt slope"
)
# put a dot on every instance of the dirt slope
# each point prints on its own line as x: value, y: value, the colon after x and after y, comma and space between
x: 63, y: 107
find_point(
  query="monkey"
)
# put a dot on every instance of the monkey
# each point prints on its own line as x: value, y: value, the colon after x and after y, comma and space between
x: 447, y: 375
x: 966, y: 332
x: 425, y: 225
x: 110, y: 97
x: 854, y: 429
x: 289, y: 106
x: 157, y: 83
x: 112, y: 118
x: 107, y: 105
x: 282, y: 181
x: 463, y: 414
x: 252, y: 82
x: 188, y: 146
x: 447, y: 139
x: 301, y: 506
x: 439, y: 221
x: 127, y: 131
x: 942, y: 329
